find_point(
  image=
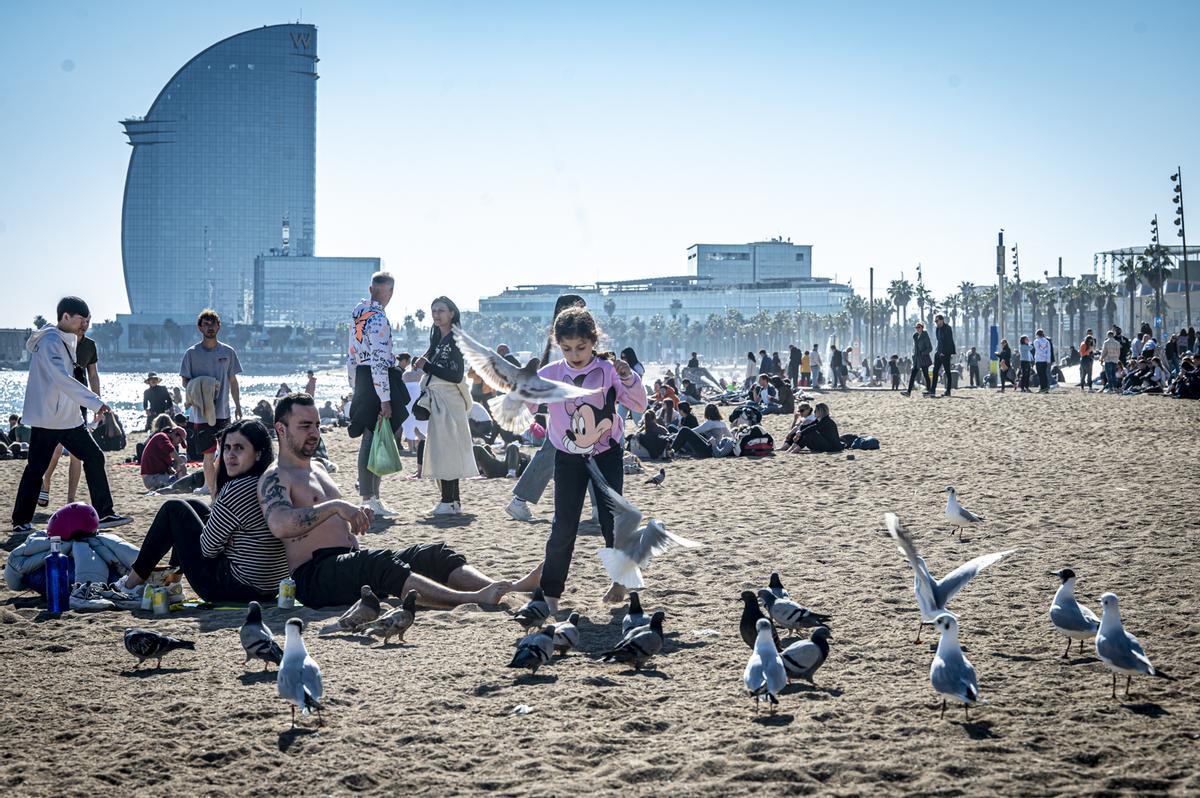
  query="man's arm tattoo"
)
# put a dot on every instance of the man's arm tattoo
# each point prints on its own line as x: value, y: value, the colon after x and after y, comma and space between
x: 274, y: 496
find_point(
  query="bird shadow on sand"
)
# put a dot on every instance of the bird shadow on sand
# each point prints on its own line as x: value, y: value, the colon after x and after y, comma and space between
x: 288, y: 738
x: 448, y: 521
x: 979, y: 729
x: 805, y: 688
x: 258, y: 677
x: 150, y: 672
x: 1082, y: 660
x: 533, y: 678
x: 649, y: 673
x: 774, y: 720
x: 1148, y: 709
x: 1014, y: 657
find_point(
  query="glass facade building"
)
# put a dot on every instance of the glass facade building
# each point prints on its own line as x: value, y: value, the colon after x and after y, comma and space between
x: 223, y: 169
x: 309, y: 292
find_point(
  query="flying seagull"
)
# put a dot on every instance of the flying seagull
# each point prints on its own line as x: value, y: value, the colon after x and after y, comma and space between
x: 521, y: 386
x: 933, y: 595
x: 633, y: 547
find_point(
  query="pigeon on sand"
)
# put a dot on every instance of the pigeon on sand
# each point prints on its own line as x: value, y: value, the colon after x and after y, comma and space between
x: 535, y: 611
x: 257, y: 639
x: 145, y: 644
x: 534, y: 651
x: 802, y: 659
x: 395, y: 622
x: 362, y: 612
x: 640, y: 644
x: 789, y: 614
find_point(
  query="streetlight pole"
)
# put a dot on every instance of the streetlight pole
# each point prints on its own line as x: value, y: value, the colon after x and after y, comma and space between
x: 871, y: 308
x: 1000, y: 282
x: 1177, y: 179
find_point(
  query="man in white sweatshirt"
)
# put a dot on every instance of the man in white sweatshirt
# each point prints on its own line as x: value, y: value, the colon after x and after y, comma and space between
x: 52, y: 400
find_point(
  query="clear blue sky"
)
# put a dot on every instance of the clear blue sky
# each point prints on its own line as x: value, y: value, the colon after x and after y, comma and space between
x: 478, y: 145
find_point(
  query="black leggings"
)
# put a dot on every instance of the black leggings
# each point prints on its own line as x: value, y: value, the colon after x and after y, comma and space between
x: 449, y: 490
x: 176, y: 529
x: 695, y: 444
x: 912, y: 377
x: 571, y: 479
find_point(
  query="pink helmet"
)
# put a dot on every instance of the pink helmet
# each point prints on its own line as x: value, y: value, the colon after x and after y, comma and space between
x: 73, y: 520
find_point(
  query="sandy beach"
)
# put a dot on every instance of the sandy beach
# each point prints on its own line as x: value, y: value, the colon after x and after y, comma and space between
x: 1101, y: 484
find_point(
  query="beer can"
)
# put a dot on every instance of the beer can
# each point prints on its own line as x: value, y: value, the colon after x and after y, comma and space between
x: 161, y: 602
x: 147, y: 595
x: 287, y: 593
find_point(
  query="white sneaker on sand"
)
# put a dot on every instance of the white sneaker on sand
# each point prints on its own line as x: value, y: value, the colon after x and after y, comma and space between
x: 519, y: 510
x: 445, y: 508
x: 379, y: 508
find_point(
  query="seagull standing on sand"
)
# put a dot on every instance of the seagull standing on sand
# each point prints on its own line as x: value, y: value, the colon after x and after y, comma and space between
x: 802, y: 659
x: 951, y: 673
x: 257, y: 639
x: 1119, y: 650
x: 957, y: 514
x: 765, y: 675
x: 633, y: 547
x: 299, y: 678
x: 362, y: 612
x: 933, y: 595
x: 521, y: 386
x: 1070, y: 617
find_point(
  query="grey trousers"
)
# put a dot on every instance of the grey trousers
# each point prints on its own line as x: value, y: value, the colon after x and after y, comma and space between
x: 537, y: 476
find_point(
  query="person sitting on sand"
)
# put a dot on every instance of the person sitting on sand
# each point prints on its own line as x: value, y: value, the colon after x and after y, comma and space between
x: 803, y: 418
x: 304, y: 509
x: 160, y: 460
x: 653, y: 437
x: 225, y: 551
x: 698, y: 442
x: 492, y: 467
x: 822, y: 434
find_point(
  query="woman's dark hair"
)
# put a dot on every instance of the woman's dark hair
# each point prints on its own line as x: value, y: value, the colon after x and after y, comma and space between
x: 712, y: 412
x: 435, y: 335
x: 254, y: 431
x: 565, y: 301
x: 650, y: 421
x: 685, y: 408
x: 751, y: 356
x: 629, y: 356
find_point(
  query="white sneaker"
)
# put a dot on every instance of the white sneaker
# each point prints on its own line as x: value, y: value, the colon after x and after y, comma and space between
x: 86, y: 598
x: 512, y: 473
x: 445, y: 508
x: 200, y: 491
x: 519, y: 510
x: 380, y: 509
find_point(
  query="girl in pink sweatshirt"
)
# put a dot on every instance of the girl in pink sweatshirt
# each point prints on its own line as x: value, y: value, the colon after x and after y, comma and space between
x: 580, y: 429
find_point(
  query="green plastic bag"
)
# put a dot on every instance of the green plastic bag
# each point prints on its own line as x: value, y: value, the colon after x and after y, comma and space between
x: 385, y: 454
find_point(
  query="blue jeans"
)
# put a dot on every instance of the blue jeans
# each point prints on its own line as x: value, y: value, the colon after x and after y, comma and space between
x: 1110, y: 377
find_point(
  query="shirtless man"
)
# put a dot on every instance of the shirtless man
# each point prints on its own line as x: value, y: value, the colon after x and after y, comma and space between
x: 304, y: 509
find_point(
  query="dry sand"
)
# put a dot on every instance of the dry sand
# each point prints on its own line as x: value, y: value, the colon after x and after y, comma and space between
x: 1102, y: 484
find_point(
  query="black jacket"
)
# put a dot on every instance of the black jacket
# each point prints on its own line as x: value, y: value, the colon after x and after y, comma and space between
x: 921, y: 349
x: 945, y: 340
x: 821, y: 436
x: 364, y: 406
x: 445, y: 361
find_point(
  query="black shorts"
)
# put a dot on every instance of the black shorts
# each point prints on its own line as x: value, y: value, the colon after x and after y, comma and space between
x: 335, y: 576
x: 203, y: 439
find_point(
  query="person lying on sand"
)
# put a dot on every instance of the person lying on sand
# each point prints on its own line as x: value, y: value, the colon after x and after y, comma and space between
x: 304, y: 509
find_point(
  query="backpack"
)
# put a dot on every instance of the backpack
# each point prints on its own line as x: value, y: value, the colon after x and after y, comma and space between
x: 109, y: 434
x: 747, y: 412
x: 753, y: 441
x: 865, y: 442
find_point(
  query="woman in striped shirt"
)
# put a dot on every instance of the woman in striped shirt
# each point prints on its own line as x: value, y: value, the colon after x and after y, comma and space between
x: 225, y: 551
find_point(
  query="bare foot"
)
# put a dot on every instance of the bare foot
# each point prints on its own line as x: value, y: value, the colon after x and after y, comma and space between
x: 414, y: 476
x: 492, y: 593
x: 527, y: 583
x: 615, y: 594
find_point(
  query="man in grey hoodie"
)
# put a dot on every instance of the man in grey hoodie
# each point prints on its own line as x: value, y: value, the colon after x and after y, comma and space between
x: 52, y: 400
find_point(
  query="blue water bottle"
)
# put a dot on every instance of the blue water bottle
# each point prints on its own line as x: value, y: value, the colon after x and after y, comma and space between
x: 58, y: 579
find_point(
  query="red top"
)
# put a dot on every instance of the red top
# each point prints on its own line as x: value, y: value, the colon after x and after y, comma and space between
x: 158, y: 457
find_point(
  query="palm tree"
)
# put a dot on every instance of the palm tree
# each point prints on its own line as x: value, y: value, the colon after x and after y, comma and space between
x: 420, y: 315
x: 1071, y: 293
x: 924, y: 297
x: 1127, y: 267
x: 966, y: 293
x: 610, y: 308
x: 1108, y: 290
x: 39, y: 321
x: 856, y: 307
x: 1155, y: 267
x: 1016, y: 294
x: 1033, y: 295
x: 950, y: 305
x: 172, y: 333
x: 900, y: 293
x: 986, y: 305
